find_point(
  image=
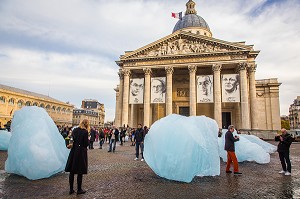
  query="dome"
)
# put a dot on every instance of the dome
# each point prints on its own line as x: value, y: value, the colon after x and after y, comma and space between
x: 191, y: 20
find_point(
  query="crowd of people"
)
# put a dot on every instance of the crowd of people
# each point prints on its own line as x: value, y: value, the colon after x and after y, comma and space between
x: 80, y: 139
x: 84, y: 136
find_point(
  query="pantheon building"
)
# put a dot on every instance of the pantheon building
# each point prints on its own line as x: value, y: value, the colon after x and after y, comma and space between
x: 191, y: 73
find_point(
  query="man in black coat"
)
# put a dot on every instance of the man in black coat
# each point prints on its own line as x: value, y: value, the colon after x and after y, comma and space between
x: 92, y: 138
x: 77, y: 162
x: 229, y: 147
x: 139, y: 142
x: 283, y: 149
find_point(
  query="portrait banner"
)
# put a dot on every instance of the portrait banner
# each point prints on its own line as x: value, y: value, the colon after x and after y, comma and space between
x: 158, y: 90
x: 136, y: 94
x: 231, y: 88
x: 205, y: 85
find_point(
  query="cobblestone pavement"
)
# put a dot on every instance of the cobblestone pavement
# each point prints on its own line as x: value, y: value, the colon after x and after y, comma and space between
x: 117, y: 175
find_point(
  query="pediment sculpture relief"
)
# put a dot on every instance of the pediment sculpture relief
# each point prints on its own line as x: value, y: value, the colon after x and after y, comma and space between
x: 183, y: 46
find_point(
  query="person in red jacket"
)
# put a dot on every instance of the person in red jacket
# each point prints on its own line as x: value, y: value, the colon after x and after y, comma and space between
x: 229, y: 147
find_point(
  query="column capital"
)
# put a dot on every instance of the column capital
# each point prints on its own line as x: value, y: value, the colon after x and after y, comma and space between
x: 216, y: 67
x: 126, y: 72
x: 242, y: 66
x: 121, y: 75
x: 147, y: 71
x: 252, y: 67
x: 169, y: 69
x: 192, y: 68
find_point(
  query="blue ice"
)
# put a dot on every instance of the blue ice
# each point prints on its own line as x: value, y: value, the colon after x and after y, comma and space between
x: 179, y: 148
x: 245, y: 150
x: 269, y: 148
x: 36, y: 149
x: 4, y: 139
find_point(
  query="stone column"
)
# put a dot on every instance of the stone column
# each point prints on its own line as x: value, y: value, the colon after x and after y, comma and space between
x: 117, y: 111
x: 242, y: 67
x: 217, y: 94
x: 147, y: 96
x: 133, y: 115
x: 193, y: 105
x: 253, y: 103
x: 169, y: 101
x: 120, y: 102
x: 125, y: 104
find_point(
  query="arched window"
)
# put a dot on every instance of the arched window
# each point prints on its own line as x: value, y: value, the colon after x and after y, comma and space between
x: 58, y: 109
x: 68, y: 110
x: 11, y: 101
x: 48, y: 107
x: 28, y: 103
x: 2, y: 99
x: 63, y: 110
x: 35, y: 104
x: 20, y: 103
x: 53, y: 108
x: 42, y: 105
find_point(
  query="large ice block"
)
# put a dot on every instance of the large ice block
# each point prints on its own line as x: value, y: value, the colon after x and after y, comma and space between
x: 269, y: 148
x: 4, y: 139
x: 36, y: 149
x: 179, y: 148
x: 245, y: 150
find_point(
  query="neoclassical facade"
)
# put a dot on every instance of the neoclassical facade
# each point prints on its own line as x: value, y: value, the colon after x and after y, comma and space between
x: 198, y: 75
x: 13, y: 99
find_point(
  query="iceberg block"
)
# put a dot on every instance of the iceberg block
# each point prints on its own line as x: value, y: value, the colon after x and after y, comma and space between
x: 36, y: 149
x: 4, y: 139
x: 245, y: 150
x: 179, y: 148
x: 269, y: 148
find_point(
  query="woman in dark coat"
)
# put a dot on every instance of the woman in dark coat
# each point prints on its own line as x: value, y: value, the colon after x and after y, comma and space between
x: 77, y: 161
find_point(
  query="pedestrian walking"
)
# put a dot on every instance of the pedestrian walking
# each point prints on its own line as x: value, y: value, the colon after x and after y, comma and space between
x: 139, y: 142
x: 114, y: 138
x: 229, y: 147
x: 92, y: 138
x: 77, y: 162
x: 283, y: 149
x: 101, y: 138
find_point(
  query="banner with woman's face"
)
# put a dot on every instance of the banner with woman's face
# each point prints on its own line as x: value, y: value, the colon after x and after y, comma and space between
x: 158, y: 90
x: 231, y: 88
x: 136, y: 91
x: 205, y: 85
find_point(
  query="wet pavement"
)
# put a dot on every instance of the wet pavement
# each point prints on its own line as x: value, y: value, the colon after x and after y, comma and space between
x: 117, y: 175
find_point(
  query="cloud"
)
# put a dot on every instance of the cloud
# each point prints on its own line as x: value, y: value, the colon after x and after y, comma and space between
x: 68, y: 48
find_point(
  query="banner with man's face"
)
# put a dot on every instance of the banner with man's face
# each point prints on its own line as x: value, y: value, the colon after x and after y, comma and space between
x: 205, y: 89
x: 158, y: 90
x: 136, y: 91
x: 231, y: 88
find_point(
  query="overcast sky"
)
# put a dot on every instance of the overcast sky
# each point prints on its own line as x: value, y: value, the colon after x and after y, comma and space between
x: 68, y: 48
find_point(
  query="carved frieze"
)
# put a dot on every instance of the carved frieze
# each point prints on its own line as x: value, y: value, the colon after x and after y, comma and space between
x: 183, y: 46
x: 183, y: 92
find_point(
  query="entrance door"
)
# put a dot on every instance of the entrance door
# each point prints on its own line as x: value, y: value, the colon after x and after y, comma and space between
x: 184, y: 111
x: 226, y: 119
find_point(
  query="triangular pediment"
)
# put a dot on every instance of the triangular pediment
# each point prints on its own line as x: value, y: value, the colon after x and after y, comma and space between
x: 185, y: 43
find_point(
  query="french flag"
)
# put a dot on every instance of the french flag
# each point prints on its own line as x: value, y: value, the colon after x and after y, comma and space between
x: 177, y: 15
